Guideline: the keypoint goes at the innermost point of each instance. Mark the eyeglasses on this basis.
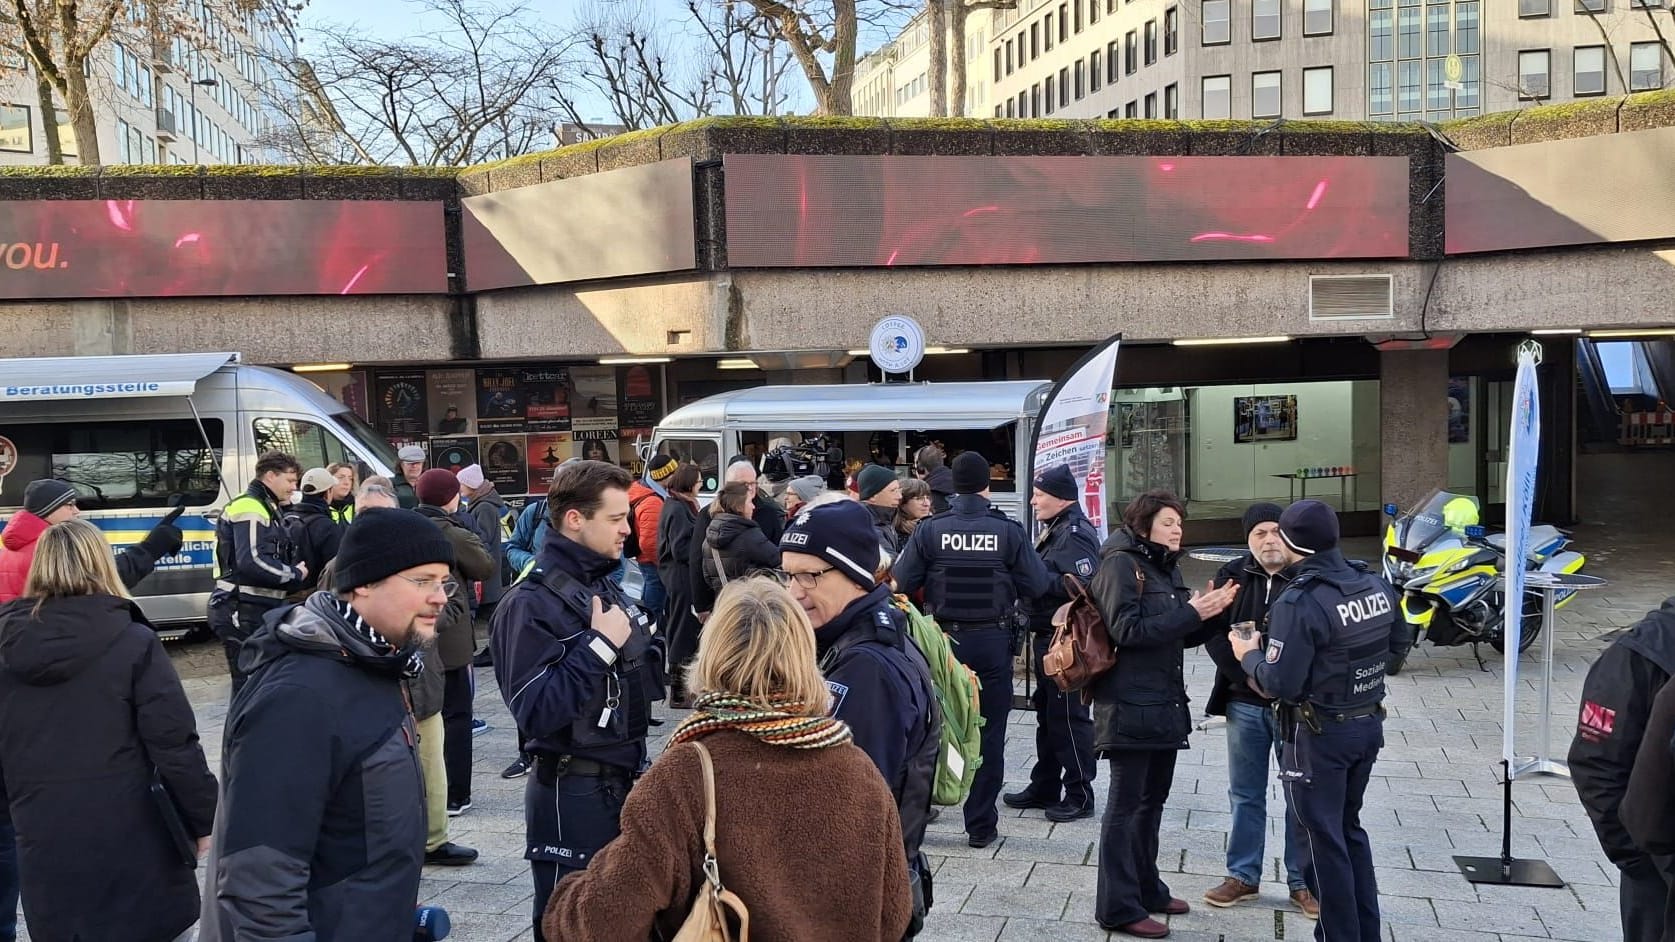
(448, 586)
(807, 580)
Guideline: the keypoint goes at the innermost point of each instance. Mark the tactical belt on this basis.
(250, 590)
(1376, 709)
(558, 766)
(971, 625)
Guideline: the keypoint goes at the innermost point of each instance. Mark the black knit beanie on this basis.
(1258, 514)
(971, 473)
(384, 541)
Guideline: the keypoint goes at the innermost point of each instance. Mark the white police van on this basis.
(137, 435)
(995, 418)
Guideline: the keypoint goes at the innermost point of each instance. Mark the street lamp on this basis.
(207, 83)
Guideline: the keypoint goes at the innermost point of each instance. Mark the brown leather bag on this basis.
(1081, 648)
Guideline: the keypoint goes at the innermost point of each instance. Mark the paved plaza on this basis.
(1433, 795)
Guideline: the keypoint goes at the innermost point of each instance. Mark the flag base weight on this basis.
(1497, 872)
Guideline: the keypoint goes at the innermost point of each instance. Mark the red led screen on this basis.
(880, 211)
(187, 248)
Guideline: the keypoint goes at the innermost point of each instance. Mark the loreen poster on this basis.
(1525, 439)
(1072, 427)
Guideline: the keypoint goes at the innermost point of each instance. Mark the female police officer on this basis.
(1330, 636)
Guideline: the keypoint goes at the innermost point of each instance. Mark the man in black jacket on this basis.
(765, 511)
(1062, 780)
(1617, 700)
(1252, 732)
(929, 466)
(313, 532)
(321, 832)
(880, 493)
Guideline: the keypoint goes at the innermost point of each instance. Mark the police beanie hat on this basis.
(842, 534)
(436, 487)
(661, 468)
(1057, 481)
(384, 541)
(46, 495)
(874, 478)
(1258, 514)
(971, 473)
(1309, 527)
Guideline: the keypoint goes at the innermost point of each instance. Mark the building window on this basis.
(1131, 110)
(1064, 87)
(1535, 7)
(1590, 6)
(1007, 110)
(1008, 57)
(1171, 30)
(1035, 100)
(1317, 17)
(1436, 31)
(1590, 70)
(1437, 105)
(1265, 95)
(1172, 101)
(1265, 19)
(997, 64)
(1081, 79)
(1093, 12)
(1064, 22)
(1646, 4)
(1645, 67)
(1218, 22)
(1077, 7)
(1034, 43)
(1112, 62)
(1467, 97)
(1051, 98)
(1093, 71)
(1534, 68)
(1151, 41)
(1408, 88)
(1217, 97)
(1023, 104)
(1466, 35)
(1379, 100)
(17, 134)
(1131, 52)
(1381, 35)
(1408, 41)
(66, 135)
(1151, 105)
(1047, 30)
(1317, 90)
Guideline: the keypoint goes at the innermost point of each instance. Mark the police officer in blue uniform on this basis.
(572, 658)
(975, 564)
(1061, 782)
(1331, 635)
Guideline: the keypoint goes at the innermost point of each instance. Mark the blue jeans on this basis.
(1253, 735)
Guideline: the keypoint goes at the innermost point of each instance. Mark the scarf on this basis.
(775, 724)
(380, 645)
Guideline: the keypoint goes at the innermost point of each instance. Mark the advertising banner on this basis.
(1524, 443)
(1072, 427)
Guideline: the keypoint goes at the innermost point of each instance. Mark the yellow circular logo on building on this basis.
(1453, 69)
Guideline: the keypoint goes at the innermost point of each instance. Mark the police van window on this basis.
(117, 465)
(310, 444)
(356, 429)
(703, 452)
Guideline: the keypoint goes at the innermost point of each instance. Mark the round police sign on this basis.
(898, 344)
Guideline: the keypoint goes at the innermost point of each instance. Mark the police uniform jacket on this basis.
(251, 546)
(1069, 546)
(1257, 591)
(557, 675)
(1141, 703)
(973, 562)
(881, 687)
(1331, 635)
(1616, 703)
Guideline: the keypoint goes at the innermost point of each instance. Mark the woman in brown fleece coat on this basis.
(806, 830)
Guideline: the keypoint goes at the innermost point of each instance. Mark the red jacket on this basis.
(647, 513)
(17, 552)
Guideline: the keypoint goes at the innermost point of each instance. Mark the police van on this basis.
(139, 435)
(996, 419)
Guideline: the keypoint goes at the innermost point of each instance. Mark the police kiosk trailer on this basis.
(138, 435)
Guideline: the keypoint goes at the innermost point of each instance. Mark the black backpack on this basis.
(631, 546)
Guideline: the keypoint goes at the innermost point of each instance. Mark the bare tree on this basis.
(465, 93)
(14, 62)
(747, 55)
(936, 22)
(959, 11)
(818, 32)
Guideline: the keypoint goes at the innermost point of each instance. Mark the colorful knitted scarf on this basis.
(779, 723)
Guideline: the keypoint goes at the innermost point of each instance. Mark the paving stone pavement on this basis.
(1433, 795)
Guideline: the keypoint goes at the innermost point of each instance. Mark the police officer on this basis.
(1330, 636)
(975, 565)
(253, 571)
(1064, 763)
(571, 657)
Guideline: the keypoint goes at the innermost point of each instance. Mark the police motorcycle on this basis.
(1447, 572)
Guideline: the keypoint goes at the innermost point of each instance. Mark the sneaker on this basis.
(1027, 799)
(519, 768)
(1232, 892)
(451, 855)
(478, 727)
(1065, 811)
(457, 808)
(1305, 901)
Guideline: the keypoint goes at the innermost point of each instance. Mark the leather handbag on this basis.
(716, 908)
(1081, 648)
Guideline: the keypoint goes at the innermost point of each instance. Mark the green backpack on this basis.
(956, 697)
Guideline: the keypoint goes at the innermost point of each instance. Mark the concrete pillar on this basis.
(1413, 422)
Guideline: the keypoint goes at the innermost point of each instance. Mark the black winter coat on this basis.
(316, 535)
(89, 705)
(941, 482)
(456, 634)
(1257, 591)
(1141, 703)
(742, 547)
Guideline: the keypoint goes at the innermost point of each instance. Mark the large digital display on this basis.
(218, 248)
(812, 211)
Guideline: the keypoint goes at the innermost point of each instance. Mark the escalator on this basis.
(1600, 415)
(1660, 364)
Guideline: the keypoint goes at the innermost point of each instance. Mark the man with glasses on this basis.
(319, 834)
(573, 658)
(880, 684)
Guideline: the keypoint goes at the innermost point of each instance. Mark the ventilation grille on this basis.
(1350, 297)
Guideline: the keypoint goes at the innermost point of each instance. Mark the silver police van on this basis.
(809, 425)
(139, 435)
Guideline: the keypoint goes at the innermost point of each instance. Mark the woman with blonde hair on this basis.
(787, 779)
(80, 665)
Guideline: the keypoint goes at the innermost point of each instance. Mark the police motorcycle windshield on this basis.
(1427, 522)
